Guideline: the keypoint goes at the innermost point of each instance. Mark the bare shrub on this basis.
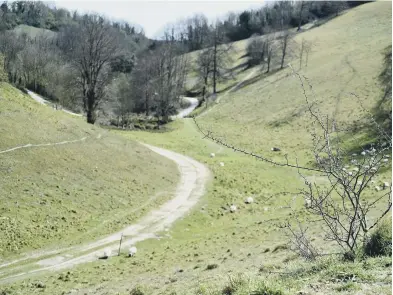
(341, 204)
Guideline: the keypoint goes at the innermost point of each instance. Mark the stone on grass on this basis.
(249, 200)
(233, 208)
(132, 251)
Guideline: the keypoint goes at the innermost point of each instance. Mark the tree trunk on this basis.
(268, 62)
(91, 112)
(147, 105)
(301, 55)
(300, 16)
(91, 117)
(306, 59)
(284, 52)
(215, 66)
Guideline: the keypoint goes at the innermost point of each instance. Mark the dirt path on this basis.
(41, 100)
(194, 176)
(233, 89)
(193, 104)
(29, 145)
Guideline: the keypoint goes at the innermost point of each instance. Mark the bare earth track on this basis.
(194, 176)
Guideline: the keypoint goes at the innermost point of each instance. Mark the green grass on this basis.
(80, 190)
(265, 113)
(33, 32)
(346, 58)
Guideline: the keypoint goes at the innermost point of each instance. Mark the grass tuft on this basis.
(380, 241)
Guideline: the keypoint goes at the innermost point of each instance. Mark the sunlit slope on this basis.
(60, 194)
(346, 57)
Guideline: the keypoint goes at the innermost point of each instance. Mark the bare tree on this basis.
(197, 31)
(345, 206)
(10, 45)
(256, 51)
(91, 48)
(285, 41)
(204, 68)
(305, 48)
(303, 6)
(270, 49)
(220, 54)
(141, 83)
(120, 98)
(3, 74)
(299, 240)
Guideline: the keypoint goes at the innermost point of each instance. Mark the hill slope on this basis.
(79, 190)
(346, 57)
(266, 111)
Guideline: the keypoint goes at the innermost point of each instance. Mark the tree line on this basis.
(192, 31)
(90, 64)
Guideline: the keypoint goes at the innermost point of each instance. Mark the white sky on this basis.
(154, 15)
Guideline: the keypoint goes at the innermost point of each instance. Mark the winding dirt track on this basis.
(193, 104)
(194, 177)
(43, 101)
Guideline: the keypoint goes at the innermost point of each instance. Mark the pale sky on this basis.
(154, 15)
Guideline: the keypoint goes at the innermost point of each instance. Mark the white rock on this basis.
(266, 209)
(354, 155)
(386, 156)
(377, 188)
(346, 166)
(132, 251)
(385, 185)
(354, 161)
(363, 153)
(350, 173)
(366, 167)
(233, 208)
(249, 200)
(212, 155)
(307, 203)
(222, 164)
(373, 169)
(359, 182)
(344, 169)
(385, 160)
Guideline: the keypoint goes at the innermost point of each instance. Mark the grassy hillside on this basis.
(32, 32)
(76, 191)
(346, 57)
(202, 251)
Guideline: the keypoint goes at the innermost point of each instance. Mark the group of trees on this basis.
(192, 32)
(213, 63)
(90, 63)
(86, 62)
(277, 46)
(274, 21)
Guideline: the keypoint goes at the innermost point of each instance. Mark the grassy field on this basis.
(33, 32)
(346, 57)
(209, 246)
(65, 194)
